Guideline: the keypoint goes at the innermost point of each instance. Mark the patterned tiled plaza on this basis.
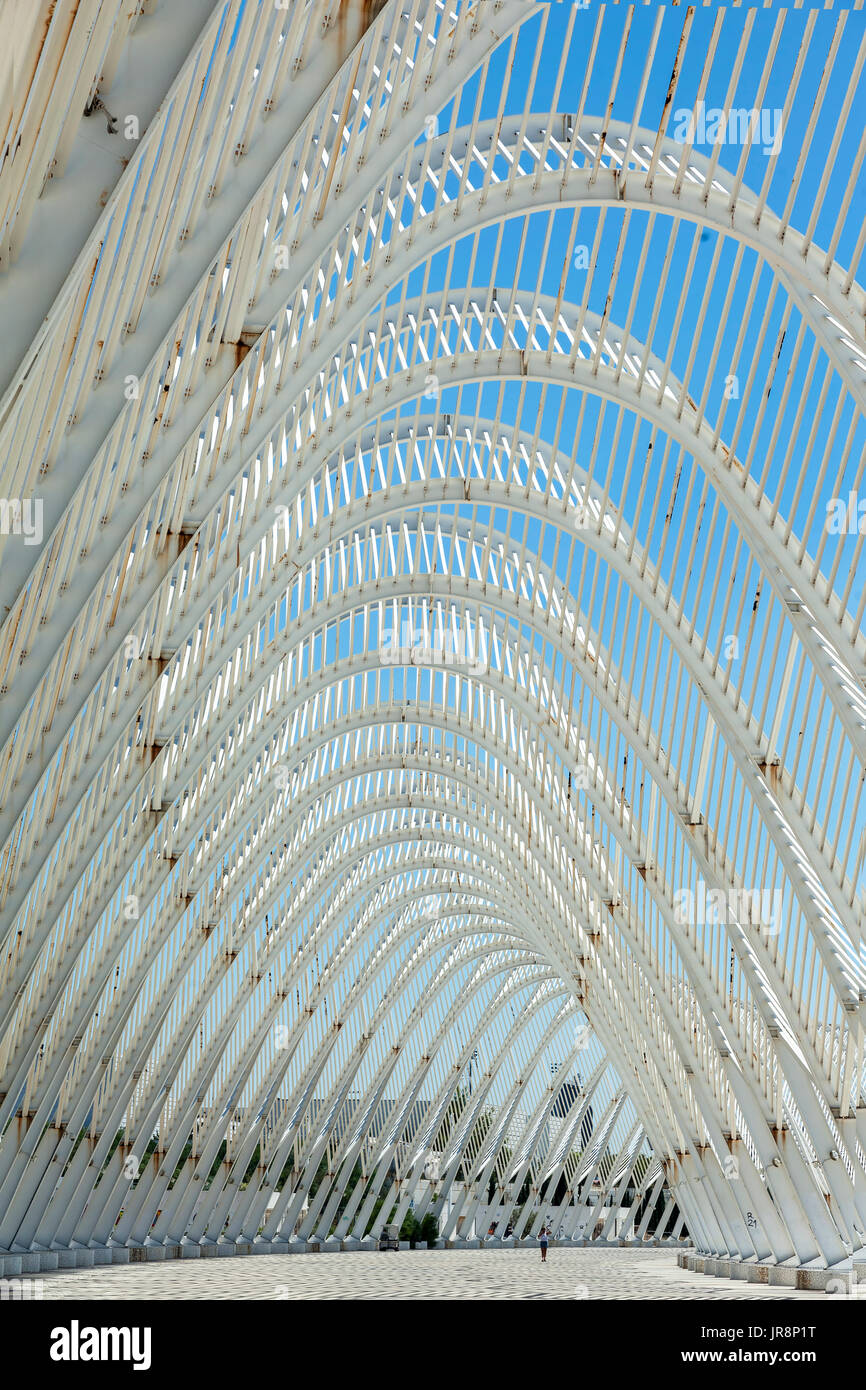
(433, 1274)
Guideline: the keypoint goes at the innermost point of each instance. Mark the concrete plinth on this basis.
(785, 1276)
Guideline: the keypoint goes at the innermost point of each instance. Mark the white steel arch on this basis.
(433, 711)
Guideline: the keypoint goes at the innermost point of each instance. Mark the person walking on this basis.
(545, 1234)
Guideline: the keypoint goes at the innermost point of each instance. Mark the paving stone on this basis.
(420, 1274)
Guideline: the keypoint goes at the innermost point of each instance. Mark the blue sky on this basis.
(745, 411)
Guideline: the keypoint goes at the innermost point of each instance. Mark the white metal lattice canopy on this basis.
(432, 660)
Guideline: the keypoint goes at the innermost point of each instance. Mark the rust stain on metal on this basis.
(770, 771)
(367, 10)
